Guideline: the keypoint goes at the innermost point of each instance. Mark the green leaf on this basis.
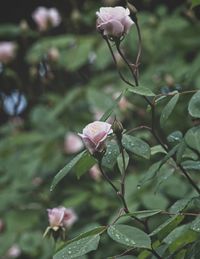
(195, 3)
(63, 172)
(143, 213)
(196, 224)
(99, 100)
(152, 201)
(175, 136)
(9, 31)
(168, 109)
(164, 229)
(84, 164)
(192, 138)
(194, 251)
(191, 165)
(157, 149)
(120, 161)
(129, 236)
(136, 146)
(107, 114)
(180, 205)
(186, 238)
(141, 91)
(194, 105)
(110, 158)
(180, 151)
(81, 245)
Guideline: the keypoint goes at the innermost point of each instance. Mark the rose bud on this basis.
(55, 216)
(61, 217)
(114, 21)
(46, 18)
(7, 51)
(72, 143)
(94, 136)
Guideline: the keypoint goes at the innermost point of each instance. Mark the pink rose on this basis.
(95, 134)
(61, 217)
(45, 18)
(114, 21)
(7, 51)
(14, 251)
(72, 143)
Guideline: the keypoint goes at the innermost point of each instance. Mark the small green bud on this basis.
(117, 128)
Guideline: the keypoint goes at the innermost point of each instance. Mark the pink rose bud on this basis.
(46, 18)
(114, 21)
(95, 173)
(56, 216)
(61, 217)
(7, 51)
(72, 143)
(95, 134)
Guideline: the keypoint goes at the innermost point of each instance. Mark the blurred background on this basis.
(57, 75)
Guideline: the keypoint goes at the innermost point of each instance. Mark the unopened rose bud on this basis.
(132, 8)
(94, 136)
(61, 217)
(114, 22)
(117, 128)
(24, 26)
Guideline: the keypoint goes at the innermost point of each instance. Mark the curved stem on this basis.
(107, 178)
(115, 61)
(128, 64)
(126, 210)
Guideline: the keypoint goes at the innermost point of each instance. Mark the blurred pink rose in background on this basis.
(7, 51)
(95, 173)
(72, 143)
(61, 217)
(123, 103)
(14, 251)
(95, 134)
(46, 18)
(114, 21)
